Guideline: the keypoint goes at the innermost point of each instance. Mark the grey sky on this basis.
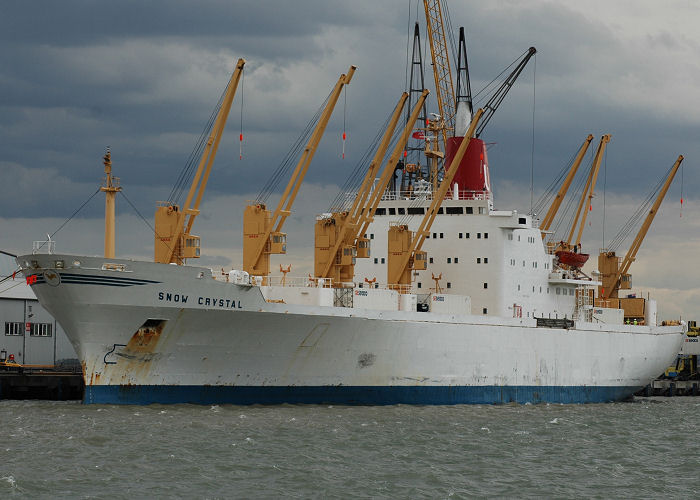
(143, 77)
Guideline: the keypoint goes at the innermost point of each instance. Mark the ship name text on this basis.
(202, 301)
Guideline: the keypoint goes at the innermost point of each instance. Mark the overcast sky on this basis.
(143, 78)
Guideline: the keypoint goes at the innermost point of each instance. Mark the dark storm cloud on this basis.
(143, 77)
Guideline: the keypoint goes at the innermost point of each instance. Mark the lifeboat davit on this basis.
(572, 259)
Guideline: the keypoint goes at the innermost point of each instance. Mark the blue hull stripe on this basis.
(371, 395)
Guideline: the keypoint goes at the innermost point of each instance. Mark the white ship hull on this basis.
(218, 342)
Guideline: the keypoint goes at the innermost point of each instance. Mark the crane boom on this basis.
(345, 223)
(400, 260)
(173, 242)
(611, 291)
(259, 238)
(367, 215)
(500, 94)
(559, 198)
(588, 192)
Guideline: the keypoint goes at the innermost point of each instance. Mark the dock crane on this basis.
(567, 252)
(173, 241)
(339, 239)
(559, 198)
(615, 274)
(404, 247)
(262, 229)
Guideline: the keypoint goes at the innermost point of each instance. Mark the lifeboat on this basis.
(572, 259)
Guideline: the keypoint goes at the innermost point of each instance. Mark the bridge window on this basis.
(402, 211)
(392, 211)
(380, 211)
(454, 210)
(416, 211)
(449, 285)
(470, 210)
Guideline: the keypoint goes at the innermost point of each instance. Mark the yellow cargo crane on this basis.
(339, 239)
(404, 247)
(586, 195)
(173, 241)
(615, 274)
(262, 229)
(559, 198)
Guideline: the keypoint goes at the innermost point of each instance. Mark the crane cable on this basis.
(642, 209)
(285, 165)
(187, 172)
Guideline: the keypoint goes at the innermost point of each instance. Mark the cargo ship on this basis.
(423, 292)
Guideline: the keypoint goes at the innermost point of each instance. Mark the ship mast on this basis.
(110, 188)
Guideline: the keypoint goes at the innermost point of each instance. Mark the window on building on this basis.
(402, 211)
(380, 211)
(460, 236)
(416, 211)
(486, 260)
(454, 210)
(376, 260)
(478, 236)
(14, 328)
(558, 291)
(449, 260)
(482, 210)
(382, 260)
(486, 236)
(419, 284)
(41, 330)
(485, 310)
(392, 211)
(430, 259)
(466, 235)
(371, 236)
(478, 260)
(470, 210)
(456, 260)
(486, 285)
(442, 235)
(440, 211)
(521, 220)
(434, 235)
(449, 285)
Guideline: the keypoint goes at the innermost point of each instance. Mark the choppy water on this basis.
(646, 448)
